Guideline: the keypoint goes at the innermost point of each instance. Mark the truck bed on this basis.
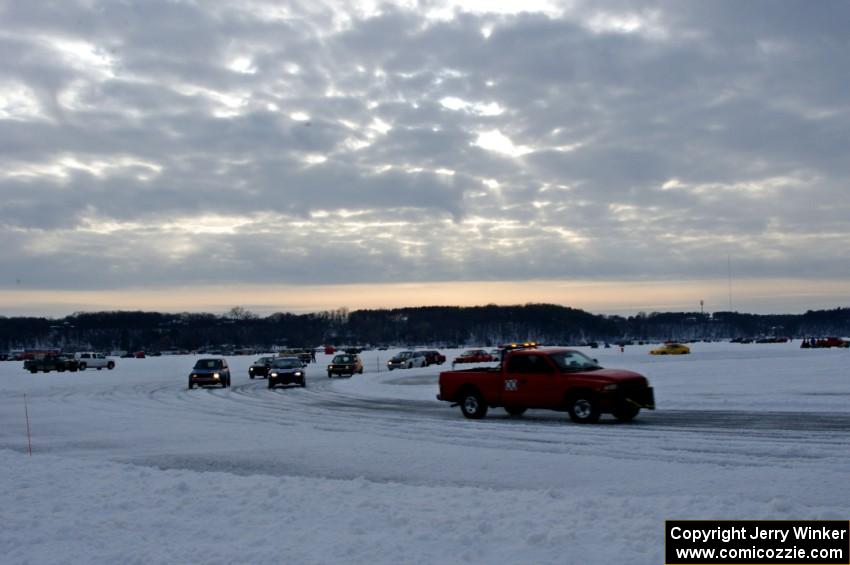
(496, 369)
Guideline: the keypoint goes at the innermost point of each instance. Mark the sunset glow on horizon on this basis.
(601, 297)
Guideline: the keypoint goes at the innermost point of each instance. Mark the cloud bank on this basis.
(164, 144)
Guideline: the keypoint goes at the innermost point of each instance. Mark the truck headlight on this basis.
(215, 375)
(330, 367)
(298, 373)
(274, 374)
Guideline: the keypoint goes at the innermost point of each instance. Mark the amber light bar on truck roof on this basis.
(524, 345)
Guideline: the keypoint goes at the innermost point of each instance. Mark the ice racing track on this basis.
(322, 402)
(413, 430)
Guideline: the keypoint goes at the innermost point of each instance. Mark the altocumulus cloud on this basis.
(305, 143)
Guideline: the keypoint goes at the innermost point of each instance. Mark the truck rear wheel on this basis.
(472, 404)
(583, 408)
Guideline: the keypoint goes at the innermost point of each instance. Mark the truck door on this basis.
(528, 381)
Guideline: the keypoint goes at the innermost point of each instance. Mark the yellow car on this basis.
(671, 349)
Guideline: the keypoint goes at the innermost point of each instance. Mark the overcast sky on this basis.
(311, 155)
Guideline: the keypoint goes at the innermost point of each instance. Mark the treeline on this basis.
(438, 325)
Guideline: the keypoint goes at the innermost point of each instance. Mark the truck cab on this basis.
(554, 379)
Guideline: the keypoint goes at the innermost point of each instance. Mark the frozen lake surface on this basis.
(129, 466)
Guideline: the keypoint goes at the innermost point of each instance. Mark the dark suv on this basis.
(260, 368)
(210, 371)
(434, 357)
(286, 371)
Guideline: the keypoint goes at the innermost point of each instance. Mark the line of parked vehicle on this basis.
(77, 362)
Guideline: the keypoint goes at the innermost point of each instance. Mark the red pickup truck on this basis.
(557, 379)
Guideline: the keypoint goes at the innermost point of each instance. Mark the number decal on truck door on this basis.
(511, 384)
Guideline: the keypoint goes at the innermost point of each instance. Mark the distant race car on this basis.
(404, 360)
(473, 356)
(210, 371)
(671, 349)
(260, 367)
(287, 371)
(345, 364)
(433, 357)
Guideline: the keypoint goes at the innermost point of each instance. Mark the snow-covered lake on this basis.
(129, 466)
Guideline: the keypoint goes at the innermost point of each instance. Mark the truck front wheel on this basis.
(583, 408)
(472, 404)
(626, 412)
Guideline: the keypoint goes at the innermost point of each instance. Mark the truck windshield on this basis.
(574, 361)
